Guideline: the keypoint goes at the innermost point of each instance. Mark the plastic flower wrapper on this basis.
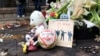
(80, 8)
(89, 3)
(88, 8)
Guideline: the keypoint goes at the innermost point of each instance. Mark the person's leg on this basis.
(18, 10)
(63, 37)
(23, 10)
(37, 4)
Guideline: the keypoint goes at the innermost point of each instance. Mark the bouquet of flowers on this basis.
(56, 9)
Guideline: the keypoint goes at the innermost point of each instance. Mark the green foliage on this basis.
(95, 13)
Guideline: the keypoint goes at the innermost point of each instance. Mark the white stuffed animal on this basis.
(37, 19)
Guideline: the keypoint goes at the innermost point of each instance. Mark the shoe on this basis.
(23, 15)
(18, 16)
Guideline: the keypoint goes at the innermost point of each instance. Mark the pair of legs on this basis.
(37, 4)
(20, 10)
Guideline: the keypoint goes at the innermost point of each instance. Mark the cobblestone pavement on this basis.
(15, 50)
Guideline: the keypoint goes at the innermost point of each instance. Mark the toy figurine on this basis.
(31, 42)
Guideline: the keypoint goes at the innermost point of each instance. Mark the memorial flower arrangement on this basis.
(56, 9)
(88, 10)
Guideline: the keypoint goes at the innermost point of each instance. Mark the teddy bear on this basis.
(38, 24)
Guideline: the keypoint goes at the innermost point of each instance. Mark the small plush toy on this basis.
(66, 14)
(63, 16)
(38, 21)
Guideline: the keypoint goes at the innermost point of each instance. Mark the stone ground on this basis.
(15, 49)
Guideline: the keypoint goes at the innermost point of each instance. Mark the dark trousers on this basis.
(37, 4)
(20, 10)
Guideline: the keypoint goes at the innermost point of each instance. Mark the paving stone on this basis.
(14, 15)
(1, 16)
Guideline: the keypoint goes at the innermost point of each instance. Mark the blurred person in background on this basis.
(37, 4)
(20, 8)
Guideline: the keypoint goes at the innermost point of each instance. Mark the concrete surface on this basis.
(15, 50)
